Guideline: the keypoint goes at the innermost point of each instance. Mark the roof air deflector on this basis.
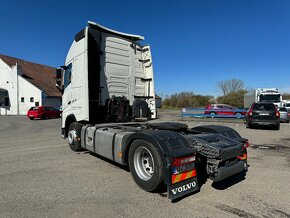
(132, 37)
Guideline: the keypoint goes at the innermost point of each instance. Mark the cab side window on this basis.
(67, 75)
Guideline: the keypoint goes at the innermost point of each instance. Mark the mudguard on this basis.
(170, 145)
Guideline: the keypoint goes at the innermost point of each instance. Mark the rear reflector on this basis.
(183, 176)
(244, 157)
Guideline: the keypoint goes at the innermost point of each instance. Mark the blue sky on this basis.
(195, 44)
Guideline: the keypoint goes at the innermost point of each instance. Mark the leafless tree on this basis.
(232, 85)
(286, 96)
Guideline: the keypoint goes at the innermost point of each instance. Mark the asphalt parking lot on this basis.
(41, 177)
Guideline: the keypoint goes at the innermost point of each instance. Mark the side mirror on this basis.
(58, 73)
(59, 79)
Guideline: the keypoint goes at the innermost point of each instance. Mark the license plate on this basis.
(182, 188)
(264, 114)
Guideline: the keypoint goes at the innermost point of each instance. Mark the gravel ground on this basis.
(41, 177)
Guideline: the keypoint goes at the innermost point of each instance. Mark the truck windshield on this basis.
(269, 98)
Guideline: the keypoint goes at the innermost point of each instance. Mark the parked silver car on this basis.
(284, 115)
(287, 106)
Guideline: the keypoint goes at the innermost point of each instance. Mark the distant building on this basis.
(158, 101)
(24, 84)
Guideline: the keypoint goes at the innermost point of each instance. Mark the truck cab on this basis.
(107, 77)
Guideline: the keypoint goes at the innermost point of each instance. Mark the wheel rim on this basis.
(212, 114)
(144, 163)
(72, 135)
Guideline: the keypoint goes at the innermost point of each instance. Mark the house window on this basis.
(22, 99)
(31, 99)
(36, 104)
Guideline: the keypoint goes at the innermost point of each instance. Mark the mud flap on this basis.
(182, 188)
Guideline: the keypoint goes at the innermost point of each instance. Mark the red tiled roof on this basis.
(41, 76)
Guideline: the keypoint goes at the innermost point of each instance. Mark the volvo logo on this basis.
(183, 188)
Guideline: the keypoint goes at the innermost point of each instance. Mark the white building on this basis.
(24, 84)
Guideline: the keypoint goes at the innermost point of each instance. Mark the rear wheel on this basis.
(146, 165)
(43, 116)
(212, 114)
(74, 134)
(238, 114)
(277, 127)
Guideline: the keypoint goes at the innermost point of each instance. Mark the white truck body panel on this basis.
(75, 96)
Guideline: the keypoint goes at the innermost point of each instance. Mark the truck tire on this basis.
(74, 133)
(146, 165)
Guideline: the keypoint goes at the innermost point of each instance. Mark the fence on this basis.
(200, 113)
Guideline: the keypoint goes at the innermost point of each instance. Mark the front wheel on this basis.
(146, 165)
(74, 134)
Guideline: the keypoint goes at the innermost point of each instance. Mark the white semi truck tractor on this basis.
(263, 95)
(108, 101)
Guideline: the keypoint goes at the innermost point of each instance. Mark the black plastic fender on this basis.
(222, 130)
(169, 144)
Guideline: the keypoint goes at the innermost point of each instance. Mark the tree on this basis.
(186, 99)
(286, 96)
(232, 85)
(233, 98)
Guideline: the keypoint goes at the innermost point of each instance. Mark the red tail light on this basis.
(183, 160)
(277, 112)
(250, 112)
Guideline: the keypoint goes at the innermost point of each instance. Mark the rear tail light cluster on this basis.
(250, 112)
(277, 113)
(183, 168)
(184, 160)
